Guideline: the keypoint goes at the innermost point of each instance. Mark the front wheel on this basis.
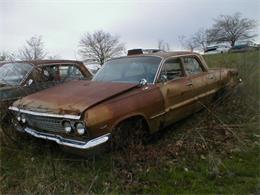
(129, 133)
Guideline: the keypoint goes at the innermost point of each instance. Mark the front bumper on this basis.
(47, 119)
(69, 142)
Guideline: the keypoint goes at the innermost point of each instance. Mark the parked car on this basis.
(127, 99)
(243, 46)
(21, 78)
(214, 49)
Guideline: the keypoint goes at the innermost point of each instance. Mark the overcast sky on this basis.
(140, 24)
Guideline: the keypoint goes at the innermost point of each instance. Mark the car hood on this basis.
(73, 97)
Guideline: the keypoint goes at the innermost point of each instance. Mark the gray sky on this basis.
(140, 24)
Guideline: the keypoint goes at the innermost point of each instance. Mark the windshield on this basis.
(129, 70)
(14, 73)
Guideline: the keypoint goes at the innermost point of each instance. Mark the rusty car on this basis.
(129, 98)
(21, 78)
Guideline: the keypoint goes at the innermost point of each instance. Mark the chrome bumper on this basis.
(69, 142)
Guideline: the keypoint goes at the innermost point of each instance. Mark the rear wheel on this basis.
(129, 133)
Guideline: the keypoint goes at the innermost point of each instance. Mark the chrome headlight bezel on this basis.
(80, 128)
(67, 127)
(23, 118)
(18, 118)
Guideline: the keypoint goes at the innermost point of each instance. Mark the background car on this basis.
(243, 46)
(21, 78)
(214, 49)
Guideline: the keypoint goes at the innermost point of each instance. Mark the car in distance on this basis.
(214, 49)
(21, 78)
(128, 98)
(244, 46)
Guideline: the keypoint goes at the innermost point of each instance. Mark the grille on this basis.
(45, 123)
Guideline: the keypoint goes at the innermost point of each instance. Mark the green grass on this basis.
(215, 151)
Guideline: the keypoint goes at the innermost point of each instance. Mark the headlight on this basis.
(23, 119)
(67, 127)
(80, 127)
(19, 118)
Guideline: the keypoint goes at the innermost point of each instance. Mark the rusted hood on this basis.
(73, 97)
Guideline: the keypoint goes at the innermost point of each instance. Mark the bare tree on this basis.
(187, 43)
(163, 45)
(230, 28)
(33, 50)
(100, 46)
(200, 39)
(7, 56)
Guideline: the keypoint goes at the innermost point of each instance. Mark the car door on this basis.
(176, 89)
(200, 79)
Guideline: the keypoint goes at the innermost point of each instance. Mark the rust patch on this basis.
(73, 97)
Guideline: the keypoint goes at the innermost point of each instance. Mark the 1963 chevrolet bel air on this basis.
(127, 99)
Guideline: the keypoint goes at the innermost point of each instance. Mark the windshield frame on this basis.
(135, 56)
(25, 76)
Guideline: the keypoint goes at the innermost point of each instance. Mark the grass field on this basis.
(213, 151)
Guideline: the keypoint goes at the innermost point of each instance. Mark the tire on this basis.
(129, 133)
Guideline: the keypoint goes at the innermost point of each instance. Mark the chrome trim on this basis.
(183, 103)
(13, 108)
(67, 116)
(69, 142)
(158, 70)
(27, 74)
(157, 115)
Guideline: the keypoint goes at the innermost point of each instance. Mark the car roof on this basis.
(42, 62)
(36, 63)
(162, 54)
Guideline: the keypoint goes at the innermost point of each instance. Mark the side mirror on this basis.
(163, 78)
(142, 82)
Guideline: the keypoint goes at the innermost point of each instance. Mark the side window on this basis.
(37, 76)
(192, 66)
(51, 73)
(70, 72)
(172, 69)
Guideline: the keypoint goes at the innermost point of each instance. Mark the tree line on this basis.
(225, 29)
(100, 46)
